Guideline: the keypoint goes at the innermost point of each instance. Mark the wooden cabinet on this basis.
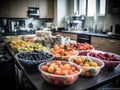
(106, 44)
(71, 35)
(46, 8)
(4, 8)
(33, 3)
(18, 8)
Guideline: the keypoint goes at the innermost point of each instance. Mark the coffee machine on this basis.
(74, 23)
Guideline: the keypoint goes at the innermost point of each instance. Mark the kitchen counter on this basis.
(81, 83)
(92, 34)
(18, 33)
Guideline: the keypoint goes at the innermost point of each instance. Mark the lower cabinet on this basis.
(106, 44)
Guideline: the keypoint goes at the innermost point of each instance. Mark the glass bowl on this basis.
(66, 57)
(60, 76)
(85, 52)
(90, 66)
(111, 60)
(31, 59)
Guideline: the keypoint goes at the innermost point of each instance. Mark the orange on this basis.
(70, 79)
(51, 69)
(58, 63)
(61, 51)
(73, 68)
(56, 47)
(78, 60)
(64, 72)
(44, 68)
(61, 46)
(66, 67)
(57, 72)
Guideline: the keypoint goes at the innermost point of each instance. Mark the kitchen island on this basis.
(82, 83)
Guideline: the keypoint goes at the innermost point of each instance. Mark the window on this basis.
(102, 7)
(92, 7)
(96, 7)
(80, 6)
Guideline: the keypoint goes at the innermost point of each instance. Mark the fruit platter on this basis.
(111, 60)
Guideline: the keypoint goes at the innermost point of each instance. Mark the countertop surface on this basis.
(92, 34)
(65, 31)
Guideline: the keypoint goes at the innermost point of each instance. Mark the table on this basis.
(82, 83)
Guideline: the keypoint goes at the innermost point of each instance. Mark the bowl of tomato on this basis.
(90, 66)
(83, 48)
(60, 73)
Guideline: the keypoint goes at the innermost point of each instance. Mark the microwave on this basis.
(33, 11)
(116, 29)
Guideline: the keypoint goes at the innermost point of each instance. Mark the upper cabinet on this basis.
(4, 6)
(113, 6)
(46, 8)
(33, 3)
(18, 8)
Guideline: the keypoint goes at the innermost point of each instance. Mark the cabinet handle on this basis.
(112, 41)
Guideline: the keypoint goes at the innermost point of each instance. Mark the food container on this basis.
(83, 48)
(90, 66)
(111, 60)
(62, 57)
(32, 47)
(31, 59)
(84, 52)
(64, 77)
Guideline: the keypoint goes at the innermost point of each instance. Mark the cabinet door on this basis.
(18, 8)
(112, 45)
(72, 36)
(50, 7)
(106, 44)
(46, 8)
(98, 43)
(33, 3)
(4, 12)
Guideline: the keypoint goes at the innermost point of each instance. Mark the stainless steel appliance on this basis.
(33, 11)
(74, 22)
(13, 25)
(82, 38)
